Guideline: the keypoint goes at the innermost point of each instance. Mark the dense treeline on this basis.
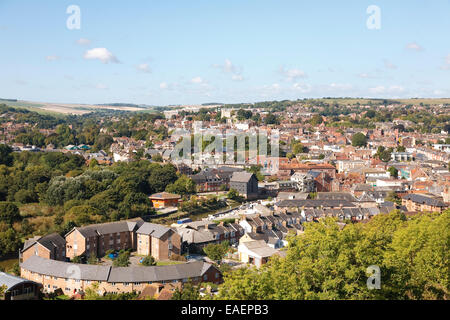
(53, 192)
(83, 129)
(328, 263)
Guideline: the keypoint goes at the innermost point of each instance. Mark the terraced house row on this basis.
(75, 278)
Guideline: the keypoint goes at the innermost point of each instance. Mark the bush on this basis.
(26, 196)
(177, 257)
(148, 261)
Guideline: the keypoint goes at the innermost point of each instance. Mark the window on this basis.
(205, 277)
(217, 275)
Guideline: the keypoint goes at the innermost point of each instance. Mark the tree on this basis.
(9, 242)
(183, 186)
(77, 259)
(316, 120)
(401, 149)
(83, 215)
(135, 205)
(25, 196)
(233, 194)
(93, 163)
(359, 140)
(393, 172)
(393, 197)
(92, 259)
(6, 155)
(326, 262)
(148, 261)
(3, 289)
(271, 119)
(383, 154)
(216, 252)
(9, 213)
(123, 260)
(188, 292)
(298, 147)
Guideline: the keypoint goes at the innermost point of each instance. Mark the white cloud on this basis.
(364, 75)
(51, 58)
(144, 67)
(236, 77)
(414, 46)
(303, 88)
(163, 85)
(341, 86)
(101, 54)
(292, 74)
(101, 86)
(197, 80)
(84, 42)
(394, 89)
(389, 65)
(377, 89)
(446, 65)
(229, 67)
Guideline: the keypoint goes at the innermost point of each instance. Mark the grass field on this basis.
(8, 263)
(364, 101)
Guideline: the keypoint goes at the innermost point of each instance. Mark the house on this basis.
(245, 183)
(165, 200)
(51, 246)
(98, 238)
(198, 234)
(420, 202)
(255, 252)
(208, 181)
(74, 278)
(305, 182)
(160, 291)
(158, 241)
(18, 288)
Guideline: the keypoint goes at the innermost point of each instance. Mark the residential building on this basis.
(19, 288)
(245, 183)
(98, 238)
(165, 200)
(158, 241)
(51, 246)
(75, 278)
(420, 202)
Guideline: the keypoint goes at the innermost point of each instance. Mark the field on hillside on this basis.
(63, 108)
(363, 101)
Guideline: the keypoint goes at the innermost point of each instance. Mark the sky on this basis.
(203, 51)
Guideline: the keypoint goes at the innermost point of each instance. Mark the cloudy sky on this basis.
(197, 51)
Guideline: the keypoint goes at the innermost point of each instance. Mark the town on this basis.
(104, 207)
(223, 159)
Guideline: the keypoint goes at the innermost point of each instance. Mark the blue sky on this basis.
(198, 51)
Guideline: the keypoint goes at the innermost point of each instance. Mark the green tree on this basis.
(359, 140)
(9, 213)
(183, 186)
(188, 292)
(216, 252)
(6, 155)
(148, 261)
(123, 260)
(393, 172)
